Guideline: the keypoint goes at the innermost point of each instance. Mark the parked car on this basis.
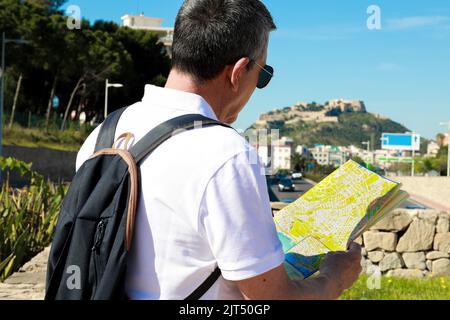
(286, 185)
(296, 176)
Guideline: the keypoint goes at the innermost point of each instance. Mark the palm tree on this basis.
(298, 162)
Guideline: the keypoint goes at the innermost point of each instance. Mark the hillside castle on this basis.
(312, 112)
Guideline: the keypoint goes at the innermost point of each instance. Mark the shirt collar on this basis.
(178, 100)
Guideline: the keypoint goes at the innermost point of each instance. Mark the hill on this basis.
(337, 122)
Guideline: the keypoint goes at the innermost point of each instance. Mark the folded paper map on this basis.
(333, 213)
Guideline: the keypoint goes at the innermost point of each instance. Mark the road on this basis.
(302, 186)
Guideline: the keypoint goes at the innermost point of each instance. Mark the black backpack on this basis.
(88, 256)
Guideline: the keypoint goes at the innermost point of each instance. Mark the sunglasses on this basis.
(265, 76)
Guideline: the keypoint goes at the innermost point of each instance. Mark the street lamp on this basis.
(448, 146)
(368, 145)
(2, 91)
(107, 86)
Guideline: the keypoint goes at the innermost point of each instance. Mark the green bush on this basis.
(28, 216)
(316, 177)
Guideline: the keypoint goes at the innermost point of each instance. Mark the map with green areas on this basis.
(336, 210)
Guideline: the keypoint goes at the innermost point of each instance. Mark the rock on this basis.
(380, 240)
(375, 256)
(443, 225)
(414, 260)
(359, 241)
(434, 255)
(441, 268)
(366, 265)
(405, 273)
(444, 215)
(442, 242)
(391, 261)
(413, 214)
(429, 264)
(363, 252)
(396, 221)
(428, 215)
(418, 237)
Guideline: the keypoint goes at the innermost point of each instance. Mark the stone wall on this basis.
(431, 191)
(409, 243)
(406, 243)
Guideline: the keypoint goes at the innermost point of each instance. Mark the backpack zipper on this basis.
(99, 236)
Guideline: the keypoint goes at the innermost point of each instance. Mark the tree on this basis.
(443, 152)
(148, 63)
(359, 160)
(73, 64)
(298, 162)
(13, 109)
(98, 56)
(424, 165)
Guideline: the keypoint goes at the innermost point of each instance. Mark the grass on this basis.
(400, 289)
(69, 140)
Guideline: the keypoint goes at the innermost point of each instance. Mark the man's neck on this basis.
(210, 92)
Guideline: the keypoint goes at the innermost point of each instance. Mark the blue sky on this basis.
(323, 50)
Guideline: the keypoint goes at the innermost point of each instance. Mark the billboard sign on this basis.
(400, 142)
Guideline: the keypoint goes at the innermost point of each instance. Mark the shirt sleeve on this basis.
(236, 219)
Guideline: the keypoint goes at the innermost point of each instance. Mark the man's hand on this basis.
(342, 268)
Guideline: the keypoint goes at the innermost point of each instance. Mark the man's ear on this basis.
(237, 72)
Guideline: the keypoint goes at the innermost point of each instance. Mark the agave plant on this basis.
(28, 216)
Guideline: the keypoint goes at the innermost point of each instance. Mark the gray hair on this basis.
(211, 34)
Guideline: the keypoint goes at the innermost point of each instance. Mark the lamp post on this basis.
(107, 86)
(448, 146)
(2, 90)
(368, 145)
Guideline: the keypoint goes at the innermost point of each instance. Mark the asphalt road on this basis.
(302, 186)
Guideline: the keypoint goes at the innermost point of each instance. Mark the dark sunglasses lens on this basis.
(265, 77)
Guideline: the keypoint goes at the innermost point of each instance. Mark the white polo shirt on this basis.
(204, 202)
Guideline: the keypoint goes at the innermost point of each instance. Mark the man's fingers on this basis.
(355, 246)
(355, 249)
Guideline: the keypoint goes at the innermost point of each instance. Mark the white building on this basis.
(282, 152)
(330, 155)
(305, 152)
(433, 149)
(142, 22)
(276, 156)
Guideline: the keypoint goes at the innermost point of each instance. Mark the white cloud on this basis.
(417, 22)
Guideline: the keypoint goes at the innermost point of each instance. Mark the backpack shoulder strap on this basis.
(168, 129)
(107, 132)
(205, 286)
(158, 136)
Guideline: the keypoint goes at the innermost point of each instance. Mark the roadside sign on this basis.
(396, 159)
(55, 102)
(404, 142)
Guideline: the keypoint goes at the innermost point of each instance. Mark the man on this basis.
(203, 202)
